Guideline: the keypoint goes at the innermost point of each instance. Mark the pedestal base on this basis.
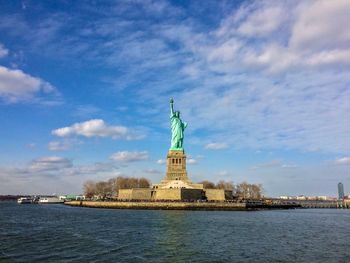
(176, 166)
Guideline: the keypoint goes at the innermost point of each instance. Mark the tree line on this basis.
(242, 190)
(110, 188)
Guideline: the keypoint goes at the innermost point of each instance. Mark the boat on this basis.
(50, 200)
(35, 199)
(24, 200)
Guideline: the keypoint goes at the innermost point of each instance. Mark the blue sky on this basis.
(264, 86)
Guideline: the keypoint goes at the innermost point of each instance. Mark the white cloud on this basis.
(96, 128)
(62, 145)
(254, 19)
(61, 167)
(3, 51)
(50, 163)
(58, 174)
(17, 86)
(343, 161)
(225, 52)
(273, 164)
(273, 58)
(57, 146)
(152, 171)
(289, 166)
(191, 71)
(161, 161)
(86, 111)
(224, 173)
(301, 35)
(321, 25)
(263, 21)
(191, 161)
(98, 168)
(216, 146)
(126, 156)
(31, 145)
(332, 57)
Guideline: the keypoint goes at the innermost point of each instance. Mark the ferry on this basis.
(50, 200)
(24, 200)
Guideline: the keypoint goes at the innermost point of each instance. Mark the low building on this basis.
(72, 197)
(284, 197)
(218, 194)
(135, 194)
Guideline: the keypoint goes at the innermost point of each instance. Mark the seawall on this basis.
(160, 205)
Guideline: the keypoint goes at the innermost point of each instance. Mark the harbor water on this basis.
(59, 233)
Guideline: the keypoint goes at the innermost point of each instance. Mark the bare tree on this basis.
(122, 182)
(103, 189)
(249, 191)
(132, 182)
(208, 184)
(113, 182)
(225, 185)
(110, 188)
(89, 189)
(256, 191)
(144, 183)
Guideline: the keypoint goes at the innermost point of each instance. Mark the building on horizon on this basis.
(341, 194)
(308, 198)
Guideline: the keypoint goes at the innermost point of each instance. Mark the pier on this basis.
(324, 204)
(337, 204)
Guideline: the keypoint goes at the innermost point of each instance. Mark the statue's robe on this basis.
(177, 131)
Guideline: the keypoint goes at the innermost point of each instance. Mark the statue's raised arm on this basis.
(171, 107)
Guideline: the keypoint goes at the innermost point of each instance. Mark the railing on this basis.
(312, 203)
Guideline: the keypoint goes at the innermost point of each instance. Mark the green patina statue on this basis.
(177, 128)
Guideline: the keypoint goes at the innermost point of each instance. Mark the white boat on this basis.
(50, 200)
(24, 200)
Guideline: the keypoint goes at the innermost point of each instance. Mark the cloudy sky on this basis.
(264, 86)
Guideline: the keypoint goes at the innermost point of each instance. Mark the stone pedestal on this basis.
(176, 185)
(176, 166)
(179, 194)
(176, 174)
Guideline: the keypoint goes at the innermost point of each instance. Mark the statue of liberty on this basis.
(177, 128)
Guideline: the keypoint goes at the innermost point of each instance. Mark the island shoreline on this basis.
(196, 206)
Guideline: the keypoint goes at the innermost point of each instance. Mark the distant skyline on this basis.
(263, 85)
